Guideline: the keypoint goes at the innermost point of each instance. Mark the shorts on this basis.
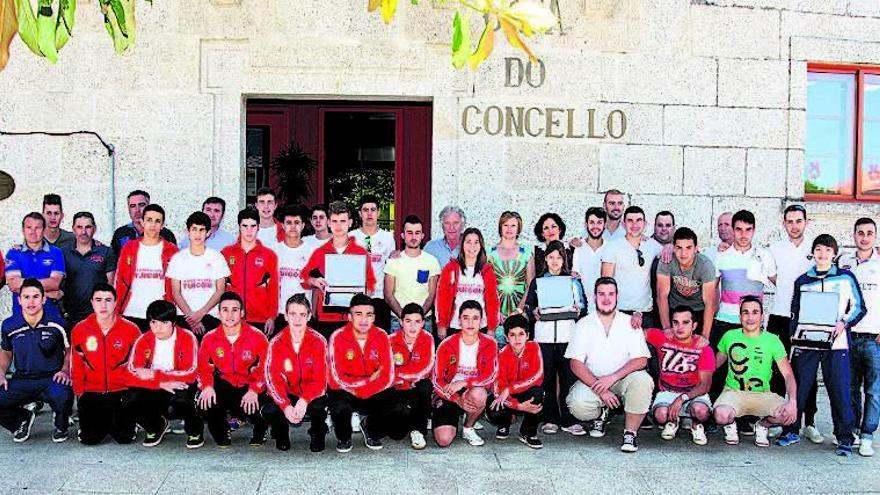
(760, 404)
(445, 413)
(665, 398)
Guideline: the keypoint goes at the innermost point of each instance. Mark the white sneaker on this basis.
(417, 440)
(731, 435)
(478, 426)
(761, 435)
(355, 422)
(813, 434)
(866, 449)
(550, 429)
(669, 431)
(472, 437)
(698, 434)
(575, 429)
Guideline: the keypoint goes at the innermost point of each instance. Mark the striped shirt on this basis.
(741, 274)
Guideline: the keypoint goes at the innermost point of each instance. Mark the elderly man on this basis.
(446, 248)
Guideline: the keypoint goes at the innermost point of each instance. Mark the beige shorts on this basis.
(761, 404)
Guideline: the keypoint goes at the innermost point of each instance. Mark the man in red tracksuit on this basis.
(518, 386)
(313, 273)
(413, 351)
(100, 346)
(254, 275)
(163, 366)
(361, 375)
(467, 364)
(296, 377)
(231, 380)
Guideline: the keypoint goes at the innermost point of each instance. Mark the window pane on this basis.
(830, 133)
(871, 136)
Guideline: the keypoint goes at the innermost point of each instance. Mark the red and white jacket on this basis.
(519, 373)
(411, 365)
(239, 364)
(302, 374)
(254, 277)
(315, 268)
(448, 360)
(351, 368)
(126, 265)
(447, 287)
(186, 349)
(98, 362)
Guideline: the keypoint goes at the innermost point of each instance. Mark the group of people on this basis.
(445, 336)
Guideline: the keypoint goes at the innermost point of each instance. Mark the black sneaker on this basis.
(533, 442)
(343, 446)
(630, 444)
(502, 432)
(153, 439)
(598, 428)
(23, 432)
(59, 436)
(371, 442)
(282, 443)
(195, 441)
(222, 442)
(258, 439)
(746, 428)
(316, 444)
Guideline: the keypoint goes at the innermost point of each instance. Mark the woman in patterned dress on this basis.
(510, 261)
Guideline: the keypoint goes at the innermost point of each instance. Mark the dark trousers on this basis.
(142, 323)
(103, 414)
(316, 410)
(835, 373)
(229, 401)
(557, 371)
(151, 408)
(383, 314)
(503, 417)
(865, 375)
(22, 391)
(409, 410)
(343, 404)
(780, 326)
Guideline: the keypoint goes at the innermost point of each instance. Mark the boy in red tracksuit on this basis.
(518, 387)
(231, 379)
(413, 351)
(361, 376)
(254, 275)
(467, 364)
(100, 346)
(296, 377)
(163, 367)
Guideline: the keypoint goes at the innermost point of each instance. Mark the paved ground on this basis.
(565, 465)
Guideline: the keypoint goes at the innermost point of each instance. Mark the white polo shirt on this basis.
(606, 353)
(791, 262)
(868, 276)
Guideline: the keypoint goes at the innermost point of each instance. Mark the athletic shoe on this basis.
(630, 444)
(669, 431)
(550, 429)
(258, 439)
(598, 429)
(343, 446)
(195, 441)
(59, 436)
(731, 435)
(813, 434)
(355, 422)
(748, 428)
(316, 443)
(502, 432)
(647, 423)
(478, 426)
(856, 441)
(866, 449)
(282, 443)
(224, 442)
(417, 440)
(844, 450)
(371, 442)
(698, 434)
(761, 433)
(472, 437)
(788, 439)
(23, 432)
(576, 430)
(532, 442)
(153, 439)
(178, 427)
(34, 407)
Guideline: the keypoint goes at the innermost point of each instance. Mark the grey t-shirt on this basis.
(686, 286)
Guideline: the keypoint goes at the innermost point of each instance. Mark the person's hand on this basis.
(839, 328)
(207, 398)
(499, 401)
(724, 246)
(454, 387)
(198, 328)
(530, 407)
(576, 242)
(376, 374)
(702, 342)
(635, 320)
(3, 383)
(441, 332)
(609, 399)
(537, 314)
(675, 409)
(666, 253)
(195, 318)
(54, 294)
(269, 327)
(172, 387)
(249, 402)
(297, 412)
(62, 377)
(603, 384)
(319, 283)
(394, 255)
(144, 374)
(787, 412)
(470, 406)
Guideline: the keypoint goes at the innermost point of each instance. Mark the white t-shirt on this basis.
(471, 287)
(163, 353)
(606, 353)
(290, 264)
(314, 241)
(467, 361)
(197, 276)
(588, 264)
(633, 281)
(868, 275)
(791, 262)
(620, 233)
(268, 235)
(148, 284)
(380, 246)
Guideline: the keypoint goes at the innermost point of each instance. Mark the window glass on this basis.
(870, 180)
(830, 134)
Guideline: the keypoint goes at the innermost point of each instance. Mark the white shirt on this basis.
(290, 264)
(471, 287)
(217, 241)
(268, 235)
(588, 264)
(791, 262)
(163, 353)
(148, 283)
(467, 361)
(314, 241)
(868, 275)
(606, 353)
(620, 233)
(380, 246)
(198, 276)
(633, 281)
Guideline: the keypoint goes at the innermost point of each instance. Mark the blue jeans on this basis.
(865, 375)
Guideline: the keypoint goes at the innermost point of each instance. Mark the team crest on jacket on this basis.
(219, 352)
(398, 358)
(231, 260)
(288, 366)
(117, 344)
(148, 353)
(415, 356)
(349, 355)
(374, 354)
(258, 261)
(452, 359)
(92, 344)
(247, 355)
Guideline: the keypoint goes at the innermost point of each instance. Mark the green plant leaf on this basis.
(461, 40)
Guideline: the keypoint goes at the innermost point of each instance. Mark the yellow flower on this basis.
(388, 8)
(524, 17)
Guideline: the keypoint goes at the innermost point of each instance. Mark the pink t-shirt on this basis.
(680, 364)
